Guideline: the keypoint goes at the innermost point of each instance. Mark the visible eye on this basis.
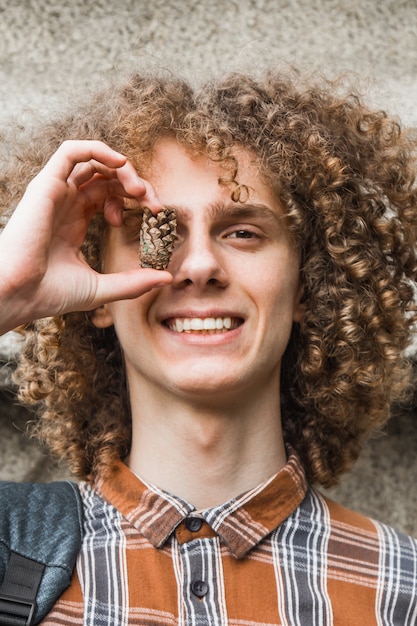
(242, 234)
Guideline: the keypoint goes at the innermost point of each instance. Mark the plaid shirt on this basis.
(280, 554)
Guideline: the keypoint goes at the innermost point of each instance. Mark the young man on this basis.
(201, 414)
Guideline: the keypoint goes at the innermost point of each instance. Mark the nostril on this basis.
(211, 281)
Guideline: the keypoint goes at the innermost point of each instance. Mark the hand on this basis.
(42, 270)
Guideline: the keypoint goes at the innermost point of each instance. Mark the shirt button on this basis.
(199, 588)
(193, 524)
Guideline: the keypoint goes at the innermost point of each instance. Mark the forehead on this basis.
(180, 177)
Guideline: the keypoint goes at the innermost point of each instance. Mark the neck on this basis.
(200, 452)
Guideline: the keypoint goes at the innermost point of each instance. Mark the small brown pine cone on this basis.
(157, 237)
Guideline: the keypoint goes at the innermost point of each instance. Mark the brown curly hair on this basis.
(346, 175)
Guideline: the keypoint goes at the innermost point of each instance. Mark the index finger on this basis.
(74, 151)
(136, 188)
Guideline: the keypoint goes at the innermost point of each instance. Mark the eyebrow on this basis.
(220, 211)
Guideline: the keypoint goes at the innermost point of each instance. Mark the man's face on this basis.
(220, 329)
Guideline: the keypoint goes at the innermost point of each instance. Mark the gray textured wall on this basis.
(52, 50)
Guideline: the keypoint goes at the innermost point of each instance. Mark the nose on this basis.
(198, 261)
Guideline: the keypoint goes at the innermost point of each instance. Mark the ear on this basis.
(102, 317)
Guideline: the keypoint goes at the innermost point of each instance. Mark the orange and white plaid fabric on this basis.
(281, 554)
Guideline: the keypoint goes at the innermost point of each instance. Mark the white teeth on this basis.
(187, 324)
(197, 324)
(209, 323)
(219, 323)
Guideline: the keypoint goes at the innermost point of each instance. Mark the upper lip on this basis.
(190, 313)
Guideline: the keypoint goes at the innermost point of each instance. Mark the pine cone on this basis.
(157, 237)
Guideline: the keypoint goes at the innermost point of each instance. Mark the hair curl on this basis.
(346, 175)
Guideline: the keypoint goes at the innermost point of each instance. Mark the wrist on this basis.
(15, 307)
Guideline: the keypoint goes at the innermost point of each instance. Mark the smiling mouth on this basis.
(203, 325)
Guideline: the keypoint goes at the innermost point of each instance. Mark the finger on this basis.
(132, 185)
(150, 199)
(138, 187)
(107, 195)
(113, 212)
(63, 161)
(99, 189)
(128, 285)
(84, 172)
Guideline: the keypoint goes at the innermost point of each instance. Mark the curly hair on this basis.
(346, 176)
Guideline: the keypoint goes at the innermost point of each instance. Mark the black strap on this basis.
(18, 591)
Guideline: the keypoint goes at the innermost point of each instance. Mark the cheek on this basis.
(281, 278)
(133, 319)
(282, 294)
(121, 253)
(120, 262)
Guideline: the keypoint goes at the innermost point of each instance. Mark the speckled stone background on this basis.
(53, 51)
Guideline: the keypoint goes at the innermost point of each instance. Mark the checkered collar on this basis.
(241, 523)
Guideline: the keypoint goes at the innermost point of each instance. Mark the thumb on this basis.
(128, 285)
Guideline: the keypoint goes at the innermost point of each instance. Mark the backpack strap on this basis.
(18, 591)
(40, 538)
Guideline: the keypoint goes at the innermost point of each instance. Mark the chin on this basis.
(211, 390)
